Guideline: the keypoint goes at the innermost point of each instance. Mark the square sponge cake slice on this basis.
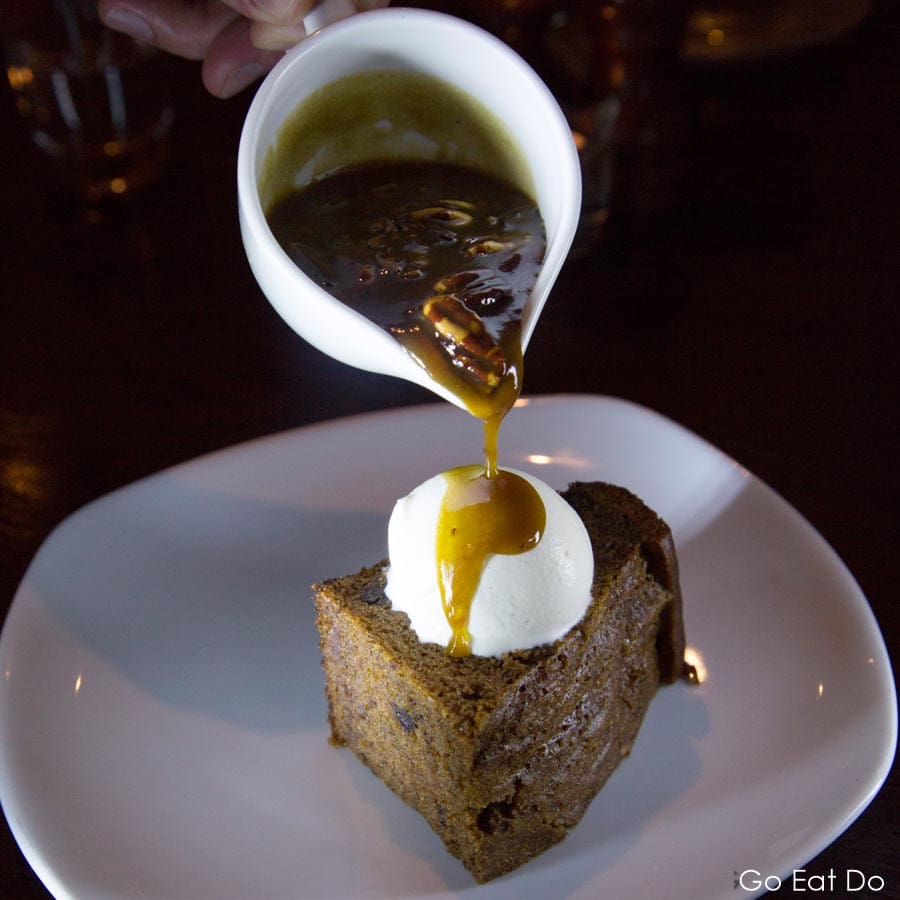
(502, 755)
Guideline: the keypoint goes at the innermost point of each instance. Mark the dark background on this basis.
(760, 311)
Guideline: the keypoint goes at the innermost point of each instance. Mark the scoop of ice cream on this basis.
(522, 600)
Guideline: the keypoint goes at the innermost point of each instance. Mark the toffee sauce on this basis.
(443, 257)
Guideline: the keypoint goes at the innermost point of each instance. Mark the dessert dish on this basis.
(503, 754)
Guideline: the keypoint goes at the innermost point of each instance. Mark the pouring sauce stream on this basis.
(444, 258)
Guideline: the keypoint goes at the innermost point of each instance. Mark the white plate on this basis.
(162, 711)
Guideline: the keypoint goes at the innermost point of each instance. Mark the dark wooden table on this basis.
(762, 315)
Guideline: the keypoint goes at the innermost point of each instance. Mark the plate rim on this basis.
(862, 607)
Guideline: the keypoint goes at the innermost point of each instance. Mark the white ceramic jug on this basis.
(436, 45)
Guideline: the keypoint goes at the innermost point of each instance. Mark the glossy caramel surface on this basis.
(481, 515)
(442, 256)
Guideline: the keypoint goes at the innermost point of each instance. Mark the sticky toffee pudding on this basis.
(500, 754)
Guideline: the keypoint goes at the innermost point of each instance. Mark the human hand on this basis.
(238, 40)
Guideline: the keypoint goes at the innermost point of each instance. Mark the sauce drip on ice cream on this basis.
(480, 515)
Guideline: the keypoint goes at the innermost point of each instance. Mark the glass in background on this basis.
(613, 66)
(90, 97)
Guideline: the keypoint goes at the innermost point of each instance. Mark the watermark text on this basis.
(849, 881)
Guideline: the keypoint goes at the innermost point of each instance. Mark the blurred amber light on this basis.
(19, 77)
(23, 478)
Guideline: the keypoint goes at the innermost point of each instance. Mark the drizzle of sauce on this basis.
(485, 510)
(480, 515)
(449, 278)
